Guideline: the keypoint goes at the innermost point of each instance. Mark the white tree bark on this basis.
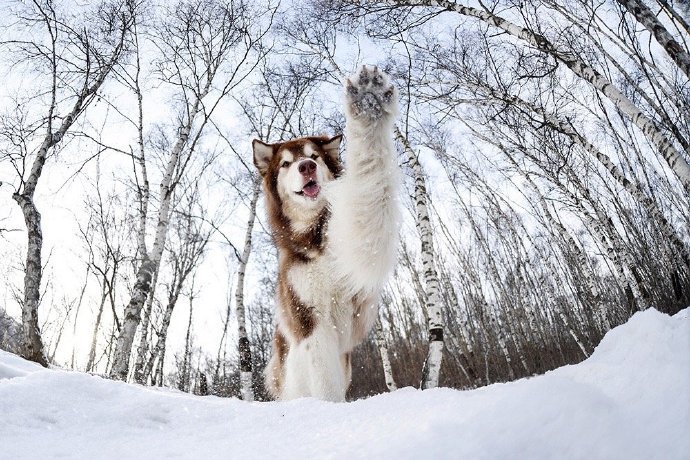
(159, 350)
(185, 377)
(581, 256)
(32, 345)
(615, 247)
(649, 20)
(572, 332)
(432, 366)
(144, 338)
(185, 258)
(245, 352)
(500, 334)
(385, 359)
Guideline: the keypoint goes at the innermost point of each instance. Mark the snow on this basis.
(629, 400)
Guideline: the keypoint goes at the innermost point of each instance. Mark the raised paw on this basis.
(369, 94)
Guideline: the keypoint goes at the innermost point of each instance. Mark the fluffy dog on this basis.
(336, 230)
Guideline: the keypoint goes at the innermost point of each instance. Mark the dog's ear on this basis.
(332, 147)
(263, 153)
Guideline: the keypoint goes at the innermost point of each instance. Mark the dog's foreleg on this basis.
(363, 230)
(314, 367)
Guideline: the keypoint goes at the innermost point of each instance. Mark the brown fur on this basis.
(359, 328)
(299, 317)
(280, 349)
(347, 365)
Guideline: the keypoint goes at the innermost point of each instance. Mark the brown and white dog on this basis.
(336, 230)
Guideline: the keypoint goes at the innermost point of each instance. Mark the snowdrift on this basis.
(629, 400)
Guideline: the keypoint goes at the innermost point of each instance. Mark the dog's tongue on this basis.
(311, 189)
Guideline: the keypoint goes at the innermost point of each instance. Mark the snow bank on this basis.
(630, 400)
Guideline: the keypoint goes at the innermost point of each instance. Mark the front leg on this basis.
(363, 230)
(314, 367)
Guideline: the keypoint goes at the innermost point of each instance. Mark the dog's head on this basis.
(294, 173)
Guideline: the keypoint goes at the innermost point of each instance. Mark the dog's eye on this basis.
(285, 164)
(314, 156)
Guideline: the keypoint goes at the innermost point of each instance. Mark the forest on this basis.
(544, 145)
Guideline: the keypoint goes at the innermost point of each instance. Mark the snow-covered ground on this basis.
(629, 400)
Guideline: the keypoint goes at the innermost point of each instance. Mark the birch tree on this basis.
(432, 366)
(649, 20)
(675, 160)
(206, 51)
(72, 54)
(185, 253)
(245, 352)
(385, 358)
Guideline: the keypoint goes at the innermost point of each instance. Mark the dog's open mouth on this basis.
(311, 189)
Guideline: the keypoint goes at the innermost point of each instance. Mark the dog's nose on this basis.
(307, 167)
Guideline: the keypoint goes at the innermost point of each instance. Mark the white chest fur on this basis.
(314, 284)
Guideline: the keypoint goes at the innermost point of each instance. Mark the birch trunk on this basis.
(196, 48)
(500, 335)
(158, 351)
(649, 20)
(245, 352)
(186, 372)
(32, 344)
(618, 250)
(150, 263)
(626, 271)
(143, 197)
(579, 253)
(139, 374)
(432, 366)
(572, 243)
(123, 345)
(33, 349)
(495, 285)
(647, 126)
(572, 333)
(675, 14)
(185, 258)
(385, 359)
(633, 188)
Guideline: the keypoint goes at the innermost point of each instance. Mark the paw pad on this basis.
(369, 95)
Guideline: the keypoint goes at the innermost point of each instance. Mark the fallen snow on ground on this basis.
(629, 400)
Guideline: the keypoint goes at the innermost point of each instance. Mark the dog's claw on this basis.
(377, 79)
(364, 76)
(351, 89)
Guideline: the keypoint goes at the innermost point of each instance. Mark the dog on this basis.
(336, 231)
